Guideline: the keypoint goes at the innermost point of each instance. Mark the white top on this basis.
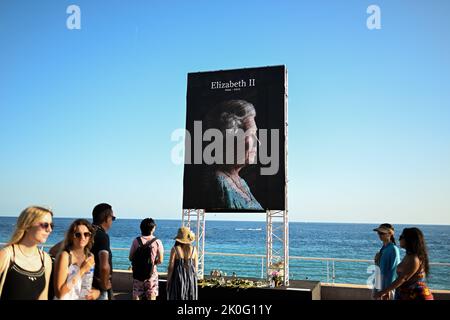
(77, 292)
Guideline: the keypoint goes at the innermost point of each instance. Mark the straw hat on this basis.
(185, 235)
(385, 228)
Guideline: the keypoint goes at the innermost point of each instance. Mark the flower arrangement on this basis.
(217, 280)
(275, 279)
(276, 274)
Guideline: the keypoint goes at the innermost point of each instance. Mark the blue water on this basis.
(323, 240)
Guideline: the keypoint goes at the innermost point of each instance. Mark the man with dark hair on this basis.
(146, 253)
(103, 217)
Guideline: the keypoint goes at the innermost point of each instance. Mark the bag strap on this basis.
(149, 243)
(139, 240)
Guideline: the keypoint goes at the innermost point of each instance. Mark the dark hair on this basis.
(147, 226)
(415, 244)
(68, 239)
(101, 213)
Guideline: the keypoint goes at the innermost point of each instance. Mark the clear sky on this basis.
(86, 115)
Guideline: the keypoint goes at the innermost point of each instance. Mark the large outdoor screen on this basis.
(235, 140)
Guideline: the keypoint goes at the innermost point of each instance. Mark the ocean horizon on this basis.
(306, 239)
(208, 218)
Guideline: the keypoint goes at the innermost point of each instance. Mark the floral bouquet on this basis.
(276, 274)
(218, 280)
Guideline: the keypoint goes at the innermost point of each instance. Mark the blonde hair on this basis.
(26, 220)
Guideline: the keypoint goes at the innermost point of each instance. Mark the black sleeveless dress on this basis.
(21, 284)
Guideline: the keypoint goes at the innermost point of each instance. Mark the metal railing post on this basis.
(328, 271)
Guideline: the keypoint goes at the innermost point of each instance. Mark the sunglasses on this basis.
(85, 234)
(381, 233)
(45, 225)
(401, 237)
(113, 218)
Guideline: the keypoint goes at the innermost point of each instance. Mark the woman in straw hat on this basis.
(24, 268)
(387, 259)
(183, 266)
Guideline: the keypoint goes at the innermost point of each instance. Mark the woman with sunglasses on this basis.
(74, 265)
(412, 270)
(24, 268)
(387, 259)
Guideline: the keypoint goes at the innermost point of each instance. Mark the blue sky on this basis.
(86, 115)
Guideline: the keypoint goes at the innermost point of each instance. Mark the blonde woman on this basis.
(183, 266)
(24, 268)
(74, 266)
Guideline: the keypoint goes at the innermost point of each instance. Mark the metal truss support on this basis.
(197, 226)
(277, 244)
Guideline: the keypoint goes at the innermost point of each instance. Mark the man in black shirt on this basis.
(102, 217)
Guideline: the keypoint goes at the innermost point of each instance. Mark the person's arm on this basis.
(133, 247)
(385, 268)
(104, 269)
(60, 274)
(171, 265)
(196, 260)
(410, 267)
(48, 274)
(5, 258)
(160, 252)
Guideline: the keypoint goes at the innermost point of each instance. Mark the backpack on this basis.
(142, 262)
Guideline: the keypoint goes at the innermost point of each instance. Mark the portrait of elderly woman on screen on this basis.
(223, 186)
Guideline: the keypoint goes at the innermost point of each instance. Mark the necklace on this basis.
(239, 186)
(80, 257)
(26, 256)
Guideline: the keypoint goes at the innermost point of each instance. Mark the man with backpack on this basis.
(146, 253)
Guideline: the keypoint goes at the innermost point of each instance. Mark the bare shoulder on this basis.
(5, 258)
(47, 258)
(412, 261)
(415, 260)
(63, 256)
(5, 253)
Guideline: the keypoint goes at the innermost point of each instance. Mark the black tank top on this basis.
(21, 284)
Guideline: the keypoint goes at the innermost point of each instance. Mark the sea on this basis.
(313, 240)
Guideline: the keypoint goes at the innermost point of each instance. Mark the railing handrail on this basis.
(445, 264)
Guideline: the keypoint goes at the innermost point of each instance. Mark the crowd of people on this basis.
(80, 266)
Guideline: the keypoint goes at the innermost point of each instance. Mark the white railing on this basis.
(330, 263)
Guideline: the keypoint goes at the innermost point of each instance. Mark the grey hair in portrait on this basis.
(230, 114)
